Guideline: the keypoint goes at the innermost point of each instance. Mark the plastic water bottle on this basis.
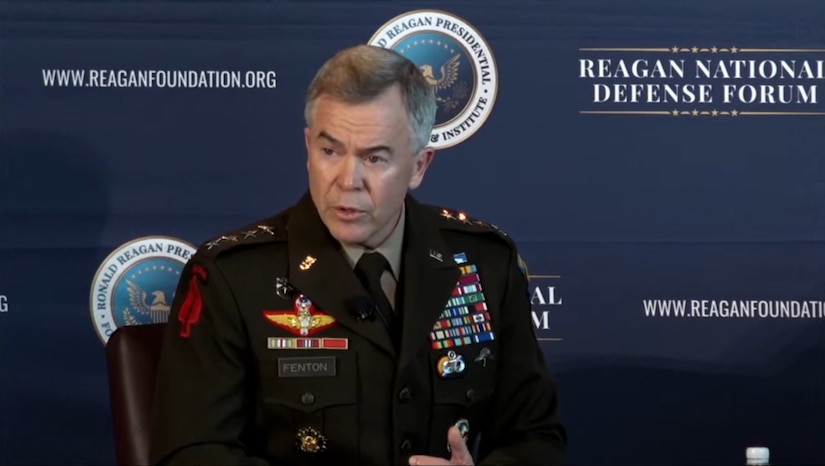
(758, 456)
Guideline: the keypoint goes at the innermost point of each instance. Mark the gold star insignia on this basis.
(734, 112)
(714, 49)
(695, 49)
(714, 112)
(675, 113)
(733, 50)
(446, 214)
(694, 112)
(675, 49)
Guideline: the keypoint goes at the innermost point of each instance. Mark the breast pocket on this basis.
(463, 389)
(311, 403)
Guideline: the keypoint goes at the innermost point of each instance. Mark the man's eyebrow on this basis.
(373, 149)
(364, 151)
(328, 137)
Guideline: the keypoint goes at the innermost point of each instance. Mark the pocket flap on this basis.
(310, 380)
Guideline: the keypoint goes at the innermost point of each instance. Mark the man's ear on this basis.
(421, 162)
(306, 142)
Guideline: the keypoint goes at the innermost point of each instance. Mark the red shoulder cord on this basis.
(190, 311)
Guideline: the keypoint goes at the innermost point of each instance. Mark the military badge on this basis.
(275, 343)
(483, 355)
(450, 365)
(303, 320)
(309, 440)
(465, 319)
(283, 289)
(307, 263)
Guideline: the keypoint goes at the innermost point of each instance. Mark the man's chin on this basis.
(348, 235)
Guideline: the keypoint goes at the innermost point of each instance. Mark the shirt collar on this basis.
(391, 248)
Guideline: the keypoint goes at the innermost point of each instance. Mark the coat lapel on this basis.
(319, 270)
(429, 276)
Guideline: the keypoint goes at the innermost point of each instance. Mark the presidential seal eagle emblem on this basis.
(456, 60)
(136, 283)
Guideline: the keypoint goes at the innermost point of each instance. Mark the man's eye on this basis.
(328, 151)
(374, 159)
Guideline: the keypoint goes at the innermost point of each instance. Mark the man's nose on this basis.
(351, 175)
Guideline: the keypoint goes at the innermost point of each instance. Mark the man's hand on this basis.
(461, 455)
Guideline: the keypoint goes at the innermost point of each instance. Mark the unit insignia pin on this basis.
(309, 440)
(283, 288)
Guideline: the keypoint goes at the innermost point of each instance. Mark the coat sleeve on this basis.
(526, 428)
(203, 399)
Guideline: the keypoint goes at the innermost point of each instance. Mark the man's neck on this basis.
(390, 247)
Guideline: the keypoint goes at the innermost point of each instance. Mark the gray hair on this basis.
(362, 73)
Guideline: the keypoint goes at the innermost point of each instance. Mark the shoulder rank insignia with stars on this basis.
(261, 232)
(303, 320)
(460, 218)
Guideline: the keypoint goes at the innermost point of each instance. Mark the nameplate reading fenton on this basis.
(321, 366)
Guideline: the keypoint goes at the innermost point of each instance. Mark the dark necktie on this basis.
(369, 269)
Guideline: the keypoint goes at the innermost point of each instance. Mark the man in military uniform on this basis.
(358, 326)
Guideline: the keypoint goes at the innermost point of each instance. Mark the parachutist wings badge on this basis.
(303, 320)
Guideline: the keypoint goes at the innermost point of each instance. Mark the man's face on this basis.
(360, 166)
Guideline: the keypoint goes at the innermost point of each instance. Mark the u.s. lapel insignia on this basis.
(303, 320)
(307, 263)
(450, 365)
(309, 440)
(283, 289)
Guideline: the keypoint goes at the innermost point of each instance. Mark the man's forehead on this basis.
(391, 95)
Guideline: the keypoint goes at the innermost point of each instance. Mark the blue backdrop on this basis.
(676, 243)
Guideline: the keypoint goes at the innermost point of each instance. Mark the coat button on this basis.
(471, 394)
(405, 394)
(406, 446)
(307, 398)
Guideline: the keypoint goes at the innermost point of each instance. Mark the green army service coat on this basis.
(270, 356)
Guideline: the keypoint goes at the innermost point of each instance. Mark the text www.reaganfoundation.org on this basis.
(174, 79)
(755, 309)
